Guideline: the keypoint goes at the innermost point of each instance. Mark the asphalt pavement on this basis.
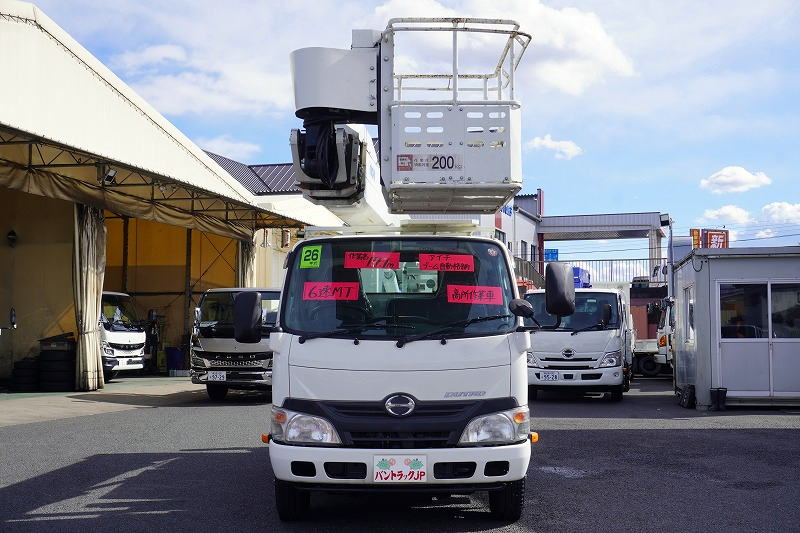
(175, 461)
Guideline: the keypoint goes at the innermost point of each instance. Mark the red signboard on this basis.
(330, 290)
(715, 238)
(372, 260)
(474, 294)
(695, 237)
(447, 262)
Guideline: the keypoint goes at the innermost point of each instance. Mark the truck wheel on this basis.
(217, 393)
(616, 393)
(506, 504)
(291, 503)
(626, 381)
(533, 394)
(109, 375)
(648, 366)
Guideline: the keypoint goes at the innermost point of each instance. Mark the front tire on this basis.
(533, 394)
(217, 393)
(292, 504)
(616, 393)
(506, 504)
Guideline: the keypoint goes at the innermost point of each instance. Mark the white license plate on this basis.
(400, 468)
(215, 375)
(548, 376)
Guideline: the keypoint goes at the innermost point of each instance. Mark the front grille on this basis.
(565, 359)
(565, 367)
(118, 346)
(227, 356)
(238, 364)
(400, 439)
(435, 409)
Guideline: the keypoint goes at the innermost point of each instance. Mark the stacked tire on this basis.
(25, 375)
(57, 370)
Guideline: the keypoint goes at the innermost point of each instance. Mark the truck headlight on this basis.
(108, 350)
(504, 427)
(197, 361)
(533, 361)
(299, 428)
(611, 359)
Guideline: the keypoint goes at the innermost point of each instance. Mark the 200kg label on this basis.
(428, 162)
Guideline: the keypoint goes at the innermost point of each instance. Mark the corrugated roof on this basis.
(240, 171)
(275, 178)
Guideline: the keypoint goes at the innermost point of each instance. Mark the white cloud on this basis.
(781, 212)
(562, 149)
(131, 62)
(765, 233)
(229, 147)
(734, 179)
(727, 214)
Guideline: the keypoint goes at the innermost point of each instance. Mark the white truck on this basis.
(591, 350)
(666, 326)
(122, 335)
(217, 360)
(401, 387)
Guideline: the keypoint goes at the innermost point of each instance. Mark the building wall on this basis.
(36, 274)
(270, 257)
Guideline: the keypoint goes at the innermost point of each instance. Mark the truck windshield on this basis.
(588, 311)
(394, 287)
(118, 309)
(216, 308)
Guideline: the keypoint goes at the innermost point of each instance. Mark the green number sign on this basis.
(310, 256)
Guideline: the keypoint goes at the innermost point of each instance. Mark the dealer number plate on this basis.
(400, 468)
(549, 376)
(216, 375)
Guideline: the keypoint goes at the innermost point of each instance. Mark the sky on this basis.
(683, 107)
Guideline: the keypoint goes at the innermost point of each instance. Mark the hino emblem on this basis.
(568, 352)
(399, 405)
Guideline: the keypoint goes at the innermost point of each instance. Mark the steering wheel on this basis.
(352, 312)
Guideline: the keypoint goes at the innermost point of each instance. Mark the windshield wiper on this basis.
(447, 327)
(351, 328)
(600, 325)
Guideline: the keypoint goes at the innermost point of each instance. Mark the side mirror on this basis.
(12, 318)
(151, 315)
(520, 307)
(247, 317)
(559, 289)
(606, 310)
(196, 315)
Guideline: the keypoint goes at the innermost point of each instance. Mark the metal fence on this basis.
(652, 271)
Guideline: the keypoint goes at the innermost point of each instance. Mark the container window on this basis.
(743, 310)
(688, 316)
(786, 310)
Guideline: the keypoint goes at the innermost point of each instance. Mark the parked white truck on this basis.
(217, 360)
(591, 350)
(122, 335)
(401, 386)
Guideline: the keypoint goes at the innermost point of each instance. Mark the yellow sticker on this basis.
(310, 256)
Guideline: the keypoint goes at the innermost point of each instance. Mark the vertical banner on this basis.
(716, 238)
(695, 238)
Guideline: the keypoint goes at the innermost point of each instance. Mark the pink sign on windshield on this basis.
(372, 260)
(474, 294)
(447, 262)
(330, 290)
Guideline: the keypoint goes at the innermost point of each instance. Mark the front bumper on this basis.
(593, 378)
(123, 363)
(517, 455)
(238, 378)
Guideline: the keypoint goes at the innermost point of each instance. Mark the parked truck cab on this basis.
(217, 360)
(122, 335)
(398, 366)
(585, 351)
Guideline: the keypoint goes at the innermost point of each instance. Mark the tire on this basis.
(616, 393)
(110, 375)
(57, 386)
(56, 355)
(292, 504)
(26, 364)
(62, 375)
(648, 366)
(217, 393)
(506, 504)
(533, 394)
(626, 381)
(57, 366)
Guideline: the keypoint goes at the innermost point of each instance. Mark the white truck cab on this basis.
(584, 351)
(398, 365)
(666, 326)
(122, 335)
(217, 360)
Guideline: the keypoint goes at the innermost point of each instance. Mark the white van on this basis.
(399, 365)
(122, 335)
(217, 360)
(587, 350)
